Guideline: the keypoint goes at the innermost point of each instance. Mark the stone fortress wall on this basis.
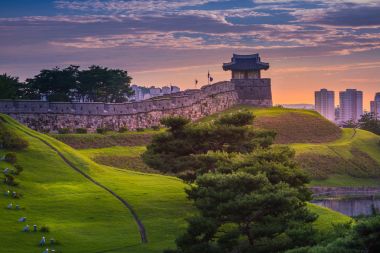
(193, 104)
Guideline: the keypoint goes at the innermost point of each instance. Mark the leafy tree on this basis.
(99, 84)
(362, 237)
(369, 122)
(177, 150)
(9, 87)
(253, 202)
(57, 84)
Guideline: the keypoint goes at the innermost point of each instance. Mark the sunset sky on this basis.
(310, 44)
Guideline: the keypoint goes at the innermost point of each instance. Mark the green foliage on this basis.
(369, 122)
(177, 150)
(9, 87)
(155, 127)
(64, 130)
(175, 123)
(95, 84)
(10, 140)
(57, 84)
(101, 130)
(251, 202)
(123, 129)
(100, 84)
(45, 229)
(81, 130)
(10, 180)
(18, 168)
(10, 158)
(362, 237)
(241, 118)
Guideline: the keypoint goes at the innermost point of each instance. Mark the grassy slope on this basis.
(86, 218)
(81, 215)
(312, 136)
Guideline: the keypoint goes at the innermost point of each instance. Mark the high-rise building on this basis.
(325, 103)
(375, 106)
(351, 105)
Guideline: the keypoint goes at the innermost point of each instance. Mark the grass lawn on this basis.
(331, 156)
(83, 217)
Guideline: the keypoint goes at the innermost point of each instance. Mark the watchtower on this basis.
(246, 76)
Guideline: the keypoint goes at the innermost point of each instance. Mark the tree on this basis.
(57, 84)
(99, 84)
(9, 87)
(364, 236)
(369, 122)
(252, 202)
(179, 148)
(250, 197)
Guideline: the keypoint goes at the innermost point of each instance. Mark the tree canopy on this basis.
(9, 87)
(95, 84)
(250, 196)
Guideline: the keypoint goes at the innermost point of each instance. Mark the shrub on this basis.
(123, 129)
(45, 229)
(10, 180)
(155, 127)
(11, 140)
(101, 130)
(81, 130)
(18, 168)
(64, 130)
(140, 129)
(10, 158)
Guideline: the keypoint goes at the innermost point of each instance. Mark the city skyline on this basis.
(310, 44)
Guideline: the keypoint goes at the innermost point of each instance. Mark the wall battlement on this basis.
(193, 104)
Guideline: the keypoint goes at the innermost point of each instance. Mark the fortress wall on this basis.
(193, 104)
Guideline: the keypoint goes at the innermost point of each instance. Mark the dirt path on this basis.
(142, 231)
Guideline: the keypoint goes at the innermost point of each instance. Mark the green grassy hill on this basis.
(331, 156)
(84, 217)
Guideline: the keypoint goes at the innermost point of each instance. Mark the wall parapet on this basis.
(193, 104)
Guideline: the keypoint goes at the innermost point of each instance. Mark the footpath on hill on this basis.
(139, 223)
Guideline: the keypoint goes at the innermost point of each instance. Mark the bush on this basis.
(155, 127)
(140, 129)
(45, 229)
(64, 130)
(10, 158)
(18, 168)
(10, 140)
(101, 130)
(123, 129)
(10, 180)
(81, 130)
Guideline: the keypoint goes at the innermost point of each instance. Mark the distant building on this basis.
(298, 106)
(375, 106)
(154, 92)
(325, 103)
(143, 93)
(351, 105)
(166, 90)
(175, 89)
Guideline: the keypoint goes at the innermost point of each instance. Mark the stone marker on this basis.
(46, 251)
(10, 206)
(5, 171)
(34, 228)
(22, 219)
(7, 193)
(17, 207)
(26, 228)
(52, 241)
